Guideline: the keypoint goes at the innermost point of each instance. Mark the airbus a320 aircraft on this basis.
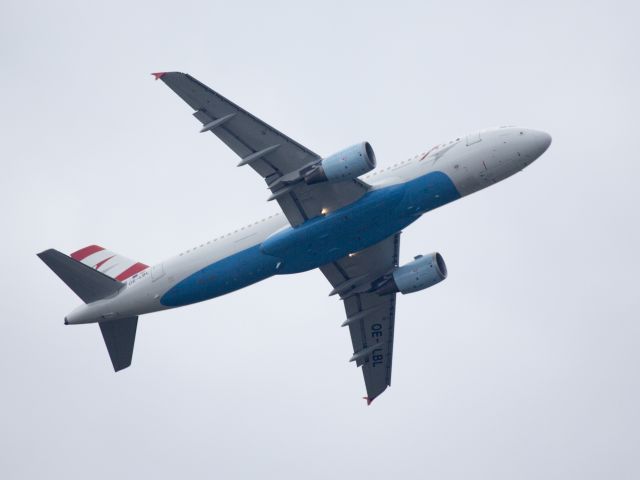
(338, 214)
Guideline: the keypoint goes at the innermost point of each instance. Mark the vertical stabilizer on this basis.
(108, 262)
(119, 337)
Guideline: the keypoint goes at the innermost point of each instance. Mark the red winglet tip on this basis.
(369, 400)
(158, 75)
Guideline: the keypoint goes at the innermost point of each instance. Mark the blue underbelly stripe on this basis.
(376, 216)
(227, 275)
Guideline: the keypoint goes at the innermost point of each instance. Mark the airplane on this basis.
(338, 214)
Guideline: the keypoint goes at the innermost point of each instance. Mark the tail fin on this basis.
(116, 266)
(119, 337)
(90, 285)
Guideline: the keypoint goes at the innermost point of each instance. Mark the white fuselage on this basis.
(472, 163)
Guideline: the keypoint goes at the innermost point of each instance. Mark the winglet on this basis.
(158, 75)
(369, 400)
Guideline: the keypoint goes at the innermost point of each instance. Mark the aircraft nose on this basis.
(532, 143)
(539, 141)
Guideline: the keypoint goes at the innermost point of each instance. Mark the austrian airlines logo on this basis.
(439, 152)
(99, 264)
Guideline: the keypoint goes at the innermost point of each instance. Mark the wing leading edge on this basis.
(370, 317)
(280, 160)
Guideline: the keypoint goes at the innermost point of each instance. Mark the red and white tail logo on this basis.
(108, 262)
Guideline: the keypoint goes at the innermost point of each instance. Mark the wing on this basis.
(370, 317)
(281, 161)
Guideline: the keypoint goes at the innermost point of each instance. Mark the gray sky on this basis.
(523, 364)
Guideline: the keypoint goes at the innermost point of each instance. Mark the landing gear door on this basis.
(473, 138)
(157, 272)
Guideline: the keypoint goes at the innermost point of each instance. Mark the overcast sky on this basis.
(523, 364)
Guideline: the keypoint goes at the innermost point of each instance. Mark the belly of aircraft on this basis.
(325, 239)
(379, 214)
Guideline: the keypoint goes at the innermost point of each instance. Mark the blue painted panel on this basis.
(374, 217)
(227, 275)
(428, 193)
(327, 238)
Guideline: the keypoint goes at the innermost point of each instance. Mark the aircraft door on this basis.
(157, 272)
(473, 138)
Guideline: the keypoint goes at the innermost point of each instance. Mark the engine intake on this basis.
(423, 272)
(347, 164)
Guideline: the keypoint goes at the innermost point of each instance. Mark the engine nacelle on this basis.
(423, 272)
(347, 164)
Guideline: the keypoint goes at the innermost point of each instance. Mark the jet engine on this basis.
(423, 272)
(347, 164)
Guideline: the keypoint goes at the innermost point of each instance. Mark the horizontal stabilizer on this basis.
(89, 284)
(119, 337)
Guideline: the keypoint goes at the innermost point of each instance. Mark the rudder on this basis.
(119, 337)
